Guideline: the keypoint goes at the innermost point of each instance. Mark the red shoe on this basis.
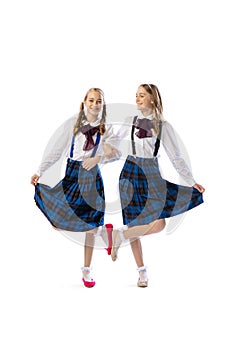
(88, 284)
(109, 228)
(86, 273)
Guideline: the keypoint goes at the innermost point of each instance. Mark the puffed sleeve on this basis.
(175, 154)
(125, 129)
(57, 146)
(110, 137)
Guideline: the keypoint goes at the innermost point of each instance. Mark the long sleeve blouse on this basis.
(60, 144)
(145, 146)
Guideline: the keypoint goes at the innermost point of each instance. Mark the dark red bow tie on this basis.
(89, 131)
(144, 125)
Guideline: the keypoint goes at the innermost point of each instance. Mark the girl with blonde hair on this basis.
(147, 198)
(77, 202)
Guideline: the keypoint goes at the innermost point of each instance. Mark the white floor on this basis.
(188, 303)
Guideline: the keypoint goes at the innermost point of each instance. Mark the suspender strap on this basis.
(97, 141)
(157, 143)
(132, 136)
(72, 148)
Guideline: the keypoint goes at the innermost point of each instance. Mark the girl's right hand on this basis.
(34, 179)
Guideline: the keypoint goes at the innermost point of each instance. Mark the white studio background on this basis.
(51, 53)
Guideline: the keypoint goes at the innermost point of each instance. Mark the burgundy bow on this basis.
(144, 125)
(89, 131)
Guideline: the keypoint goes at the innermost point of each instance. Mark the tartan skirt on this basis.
(77, 202)
(146, 196)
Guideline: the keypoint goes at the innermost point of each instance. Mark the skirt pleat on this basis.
(77, 202)
(146, 196)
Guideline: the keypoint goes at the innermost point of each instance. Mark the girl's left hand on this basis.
(199, 188)
(34, 179)
(89, 163)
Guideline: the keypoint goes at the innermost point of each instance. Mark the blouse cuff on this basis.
(38, 172)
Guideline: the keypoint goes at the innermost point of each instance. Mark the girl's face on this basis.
(144, 101)
(93, 103)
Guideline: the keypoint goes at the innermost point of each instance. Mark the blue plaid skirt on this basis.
(77, 202)
(146, 196)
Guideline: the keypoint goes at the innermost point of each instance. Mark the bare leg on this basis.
(137, 252)
(137, 231)
(133, 233)
(88, 248)
(136, 247)
(88, 252)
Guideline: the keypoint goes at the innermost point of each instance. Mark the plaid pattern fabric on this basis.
(76, 203)
(146, 196)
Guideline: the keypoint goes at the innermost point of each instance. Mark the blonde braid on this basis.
(79, 119)
(103, 120)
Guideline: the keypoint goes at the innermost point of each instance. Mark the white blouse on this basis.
(145, 146)
(60, 144)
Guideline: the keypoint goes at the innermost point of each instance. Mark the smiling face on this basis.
(144, 101)
(93, 103)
